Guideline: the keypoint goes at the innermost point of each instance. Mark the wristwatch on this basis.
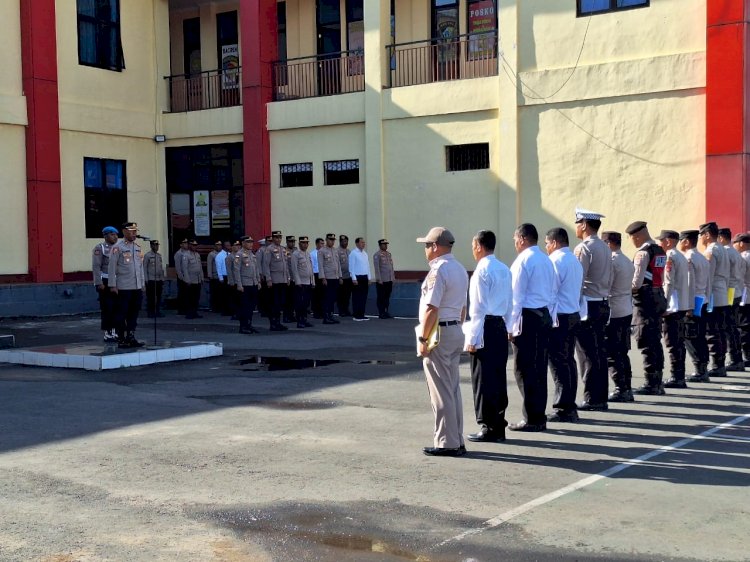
(422, 340)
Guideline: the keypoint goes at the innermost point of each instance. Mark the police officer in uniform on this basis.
(698, 287)
(181, 286)
(345, 289)
(596, 259)
(233, 296)
(264, 298)
(679, 303)
(246, 274)
(192, 274)
(316, 301)
(153, 270)
(126, 281)
(718, 308)
(304, 281)
(742, 245)
(277, 279)
(385, 275)
(213, 277)
(736, 285)
(289, 298)
(330, 274)
(649, 305)
(100, 270)
(617, 335)
(443, 302)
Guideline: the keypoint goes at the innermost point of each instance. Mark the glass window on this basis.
(482, 24)
(105, 194)
(341, 172)
(589, 7)
(99, 38)
(461, 157)
(296, 175)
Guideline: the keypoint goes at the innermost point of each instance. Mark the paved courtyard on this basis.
(306, 445)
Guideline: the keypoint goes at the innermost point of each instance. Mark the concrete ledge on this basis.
(103, 357)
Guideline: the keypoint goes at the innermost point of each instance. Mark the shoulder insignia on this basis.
(97, 251)
(639, 258)
(115, 250)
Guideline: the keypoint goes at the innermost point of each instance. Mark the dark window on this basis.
(589, 7)
(355, 37)
(105, 191)
(341, 172)
(191, 37)
(296, 175)
(99, 38)
(467, 157)
(282, 75)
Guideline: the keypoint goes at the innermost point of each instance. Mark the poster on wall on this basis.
(447, 31)
(220, 209)
(201, 222)
(230, 66)
(482, 29)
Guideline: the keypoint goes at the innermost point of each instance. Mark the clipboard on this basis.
(433, 339)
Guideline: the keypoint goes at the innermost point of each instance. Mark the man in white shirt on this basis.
(530, 323)
(485, 337)
(742, 244)
(736, 284)
(219, 263)
(359, 269)
(699, 287)
(562, 362)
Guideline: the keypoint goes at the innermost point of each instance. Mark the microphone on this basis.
(146, 238)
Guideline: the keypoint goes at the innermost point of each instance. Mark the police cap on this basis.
(672, 234)
(303, 239)
(276, 234)
(688, 235)
(130, 226)
(710, 227)
(330, 236)
(291, 239)
(725, 232)
(612, 236)
(584, 215)
(742, 237)
(636, 226)
(383, 241)
(109, 230)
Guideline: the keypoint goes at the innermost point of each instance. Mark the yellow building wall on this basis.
(317, 210)
(13, 221)
(146, 198)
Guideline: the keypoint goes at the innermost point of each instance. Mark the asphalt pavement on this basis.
(306, 445)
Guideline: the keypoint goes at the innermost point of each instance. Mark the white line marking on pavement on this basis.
(730, 436)
(520, 510)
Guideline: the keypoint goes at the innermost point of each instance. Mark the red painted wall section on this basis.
(44, 200)
(259, 50)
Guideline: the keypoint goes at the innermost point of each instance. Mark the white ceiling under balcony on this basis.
(187, 4)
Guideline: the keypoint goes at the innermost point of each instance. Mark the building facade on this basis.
(210, 119)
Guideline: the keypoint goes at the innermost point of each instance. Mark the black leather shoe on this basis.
(327, 321)
(647, 390)
(443, 451)
(587, 406)
(718, 372)
(564, 417)
(737, 366)
(619, 395)
(487, 436)
(462, 450)
(524, 426)
(675, 383)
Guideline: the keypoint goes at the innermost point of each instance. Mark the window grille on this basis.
(463, 157)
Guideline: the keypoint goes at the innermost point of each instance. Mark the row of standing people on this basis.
(689, 289)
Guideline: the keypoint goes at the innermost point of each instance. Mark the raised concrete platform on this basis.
(100, 357)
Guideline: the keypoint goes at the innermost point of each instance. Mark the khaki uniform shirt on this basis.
(621, 293)
(274, 264)
(100, 262)
(126, 266)
(229, 262)
(344, 262)
(191, 267)
(211, 265)
(153, 267)
(382, 263)
(736, 271)
(246, 270)
(746, 259)
(329, 266)
(302, 268)
(718, 273)
(445, 288)
(676, 286)
(697, 274)
(260, 256)
(177, 263)
(288, 254)
(596, 259)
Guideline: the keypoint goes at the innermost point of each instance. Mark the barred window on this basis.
(462, 157)
(296, 175)
(341, 172)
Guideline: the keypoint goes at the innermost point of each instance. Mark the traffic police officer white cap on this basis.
(584, 215)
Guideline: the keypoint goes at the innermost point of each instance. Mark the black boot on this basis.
(737, 365)
(700, 374)
(132, 342)
(653, 386)
(676, 381)
(718, 371)
(620, 395)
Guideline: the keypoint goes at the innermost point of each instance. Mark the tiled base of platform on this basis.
(108, 356)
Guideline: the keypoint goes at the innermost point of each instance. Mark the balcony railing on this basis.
(435, 60)
(205, 90)
(322, 75)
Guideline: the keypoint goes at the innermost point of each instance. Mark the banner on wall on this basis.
(230, 66)
(482, 20)
(220, 217)
(201, 222)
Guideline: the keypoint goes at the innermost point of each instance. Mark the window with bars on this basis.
(99, 36)
(341, 172)
(590, 7)
(461, 157)
(296, 175)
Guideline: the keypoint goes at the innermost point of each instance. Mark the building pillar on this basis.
(44, 197)
(258, 35)
(727, 119)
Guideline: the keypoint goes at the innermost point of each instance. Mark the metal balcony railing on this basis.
(205, 90)
(321, 75)
(434, 60)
